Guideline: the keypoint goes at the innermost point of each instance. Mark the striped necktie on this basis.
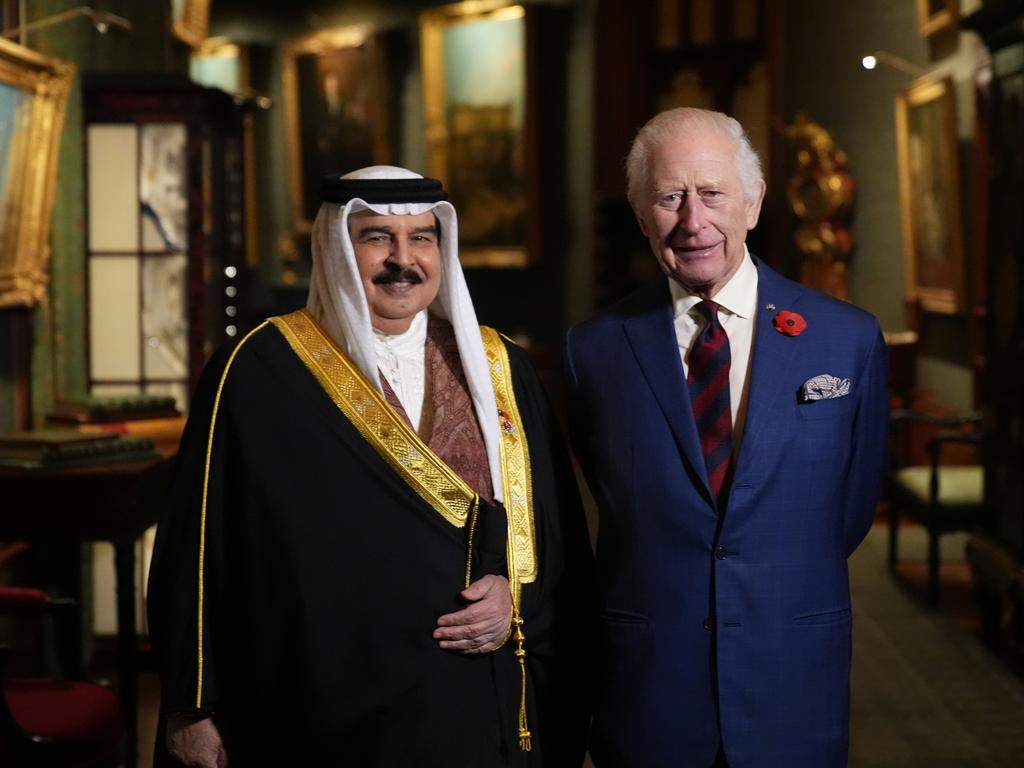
(708, 380)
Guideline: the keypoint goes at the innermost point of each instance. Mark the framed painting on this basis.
(33, 99)
(190, 21)
(933, 16)
(479, 118)
(336, 118)
(926, 145)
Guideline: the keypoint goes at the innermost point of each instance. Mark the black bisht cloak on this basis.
(323, 575)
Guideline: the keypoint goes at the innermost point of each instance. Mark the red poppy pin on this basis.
(789, 323)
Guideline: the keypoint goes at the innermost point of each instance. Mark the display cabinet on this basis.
(996, 550)
(165, 232)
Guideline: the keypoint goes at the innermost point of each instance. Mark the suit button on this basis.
(721, 553)
(707, 624)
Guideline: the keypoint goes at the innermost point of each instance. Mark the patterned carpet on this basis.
(925, 691)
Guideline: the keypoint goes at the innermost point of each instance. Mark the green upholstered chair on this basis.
(942, 497)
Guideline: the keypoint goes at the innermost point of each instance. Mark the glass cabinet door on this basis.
(137, 259)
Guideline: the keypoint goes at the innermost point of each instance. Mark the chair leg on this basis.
(933, 567)
(894, 532)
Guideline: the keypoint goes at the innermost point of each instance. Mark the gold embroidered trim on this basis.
(202, 514)
(517, 483)
(516, 475)
(378, 423)
(473, 513)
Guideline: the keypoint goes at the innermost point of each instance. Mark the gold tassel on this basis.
(474, 508)
(525, 739)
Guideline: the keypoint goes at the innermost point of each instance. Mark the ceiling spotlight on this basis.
(869, 62)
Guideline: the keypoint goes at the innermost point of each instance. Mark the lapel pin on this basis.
(770, 307)
(789, 323)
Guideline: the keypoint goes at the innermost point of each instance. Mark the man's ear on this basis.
(753, 207)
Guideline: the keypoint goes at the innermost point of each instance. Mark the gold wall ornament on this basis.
(33, 100)
(821, 195)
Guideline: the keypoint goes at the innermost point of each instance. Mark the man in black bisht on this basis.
(373, 553)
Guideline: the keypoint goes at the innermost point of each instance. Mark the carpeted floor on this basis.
(925, 692)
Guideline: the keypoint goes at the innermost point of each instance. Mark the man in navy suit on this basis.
(732, 427)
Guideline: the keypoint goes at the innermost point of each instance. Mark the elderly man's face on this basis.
(399, 259)
(693, 210)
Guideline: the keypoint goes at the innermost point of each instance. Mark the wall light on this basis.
(873, 59)
(103, 21)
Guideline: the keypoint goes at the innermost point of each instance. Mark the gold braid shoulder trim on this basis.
(517, 482)
(415, 463)
(378, 423)
(516, 474)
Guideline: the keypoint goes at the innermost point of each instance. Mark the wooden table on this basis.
(103, 502)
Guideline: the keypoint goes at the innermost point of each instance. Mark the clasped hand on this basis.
(480, 627)
(483, 625)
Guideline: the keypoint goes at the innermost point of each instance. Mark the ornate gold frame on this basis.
(432, 25)
(946, 299)
(337, 37)
(25, 246)
(191, 21)
(930, 23)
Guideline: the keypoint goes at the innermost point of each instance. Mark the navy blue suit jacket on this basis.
(729, 628)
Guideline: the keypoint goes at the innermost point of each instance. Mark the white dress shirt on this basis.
(737, 312)
(402, 360)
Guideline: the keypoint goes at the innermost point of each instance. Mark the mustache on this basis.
(397, 275)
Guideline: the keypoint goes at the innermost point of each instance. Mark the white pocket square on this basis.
(824, 387)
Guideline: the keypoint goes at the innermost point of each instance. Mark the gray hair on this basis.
(661, 128)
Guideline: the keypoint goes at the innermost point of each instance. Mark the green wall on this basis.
(58, 360)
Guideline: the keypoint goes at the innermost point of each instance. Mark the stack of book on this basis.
(103, 410)
(62, 448)
(152, 416)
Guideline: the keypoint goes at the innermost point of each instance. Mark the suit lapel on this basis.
(651, 334)
(772, 356)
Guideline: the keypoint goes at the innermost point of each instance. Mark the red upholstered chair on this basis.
(51, 722)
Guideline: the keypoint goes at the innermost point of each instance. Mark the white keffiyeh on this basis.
(338, 302)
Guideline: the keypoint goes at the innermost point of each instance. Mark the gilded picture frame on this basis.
(934, 16)
(33, 101)
(336, 98)
(479, 117)
(190, 21)
(926, 145)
